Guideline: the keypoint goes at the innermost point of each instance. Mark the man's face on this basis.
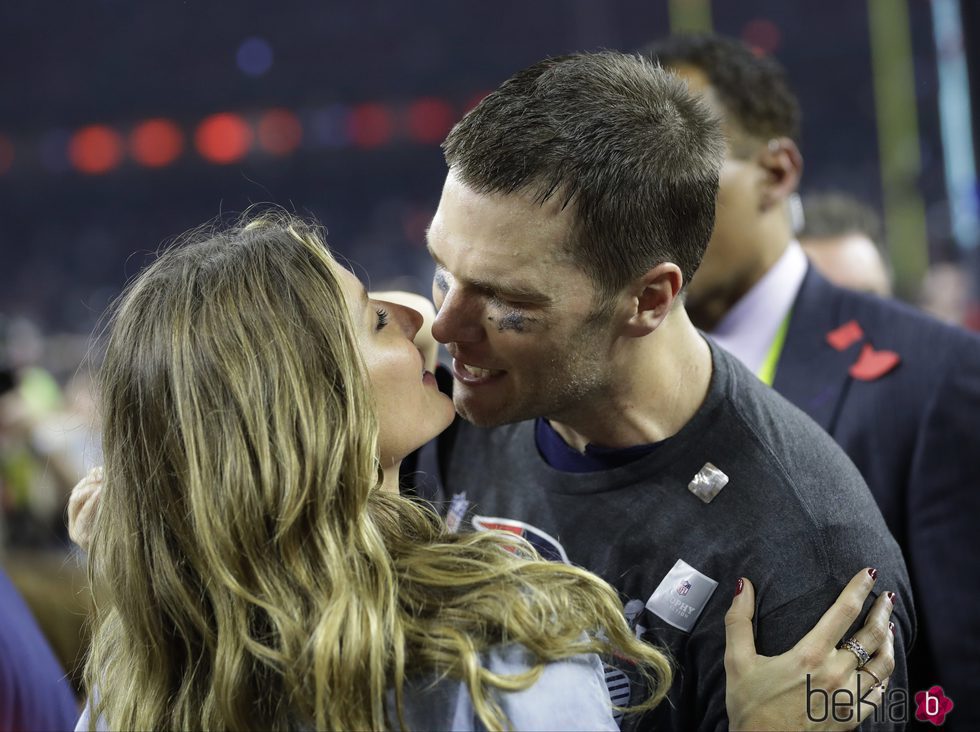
(513, 309)
(730, 262)
(851, 261)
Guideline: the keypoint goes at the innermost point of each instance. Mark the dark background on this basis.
(68, 239)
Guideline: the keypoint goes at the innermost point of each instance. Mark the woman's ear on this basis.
(654, 295)
(782, 165)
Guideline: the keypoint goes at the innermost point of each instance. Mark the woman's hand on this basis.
(771, 693)
(83, 505)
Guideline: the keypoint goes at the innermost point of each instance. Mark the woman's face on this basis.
(411, 409)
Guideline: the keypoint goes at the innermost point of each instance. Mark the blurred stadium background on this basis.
(122, 124)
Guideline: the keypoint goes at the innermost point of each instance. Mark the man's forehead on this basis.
(508, 226)
(526, 201)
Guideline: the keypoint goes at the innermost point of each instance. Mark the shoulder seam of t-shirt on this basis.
(783, 473)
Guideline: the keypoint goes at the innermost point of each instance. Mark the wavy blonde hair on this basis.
(251, 573)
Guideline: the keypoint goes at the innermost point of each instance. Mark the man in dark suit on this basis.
(899, 391)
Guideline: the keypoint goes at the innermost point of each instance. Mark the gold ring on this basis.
(873, 675)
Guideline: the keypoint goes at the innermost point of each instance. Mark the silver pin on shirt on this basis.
(708, 483)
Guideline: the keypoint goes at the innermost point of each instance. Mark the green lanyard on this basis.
(767, 374)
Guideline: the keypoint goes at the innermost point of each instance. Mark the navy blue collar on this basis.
(561, 456)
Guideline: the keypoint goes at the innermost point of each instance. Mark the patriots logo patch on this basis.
(547, 545)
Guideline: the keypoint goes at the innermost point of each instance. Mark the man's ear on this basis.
(653, 297)
(782, 164)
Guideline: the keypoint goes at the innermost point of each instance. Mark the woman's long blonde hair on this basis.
(251, 574)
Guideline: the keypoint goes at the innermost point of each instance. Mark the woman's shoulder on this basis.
(570, 694)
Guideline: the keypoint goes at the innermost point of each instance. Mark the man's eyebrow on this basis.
(510, 290)
(513, 291)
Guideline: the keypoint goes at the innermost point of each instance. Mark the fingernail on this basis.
(892, 598)
(739, 586)
(891, 627)
(873, 572)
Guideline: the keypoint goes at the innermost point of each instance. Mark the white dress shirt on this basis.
(750, 326)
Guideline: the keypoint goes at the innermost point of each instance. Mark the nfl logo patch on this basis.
(683, 588)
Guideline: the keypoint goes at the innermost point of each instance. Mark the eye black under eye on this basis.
(442, 282)
(382, 318)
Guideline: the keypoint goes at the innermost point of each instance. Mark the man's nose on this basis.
(459, 319)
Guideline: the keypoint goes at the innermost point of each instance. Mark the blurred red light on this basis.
(95, 149)
(156, 142)
(429, 120)
(6, 154)
(280, 132)
(762, 35)
(370, 125)
(223, 138)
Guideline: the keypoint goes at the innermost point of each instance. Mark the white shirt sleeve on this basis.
(570, 694)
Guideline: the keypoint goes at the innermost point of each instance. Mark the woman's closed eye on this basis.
(382, 318)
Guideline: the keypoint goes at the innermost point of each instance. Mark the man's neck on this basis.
(658, 383)
(750, 328)
(769, 241)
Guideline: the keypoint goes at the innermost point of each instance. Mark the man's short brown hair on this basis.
(617, 137)
(753, 89)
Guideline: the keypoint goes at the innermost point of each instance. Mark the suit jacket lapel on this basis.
(812, 374)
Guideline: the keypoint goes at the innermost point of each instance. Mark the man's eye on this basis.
(382, 318)
(499, 301)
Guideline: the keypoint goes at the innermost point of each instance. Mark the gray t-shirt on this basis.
(792, 514)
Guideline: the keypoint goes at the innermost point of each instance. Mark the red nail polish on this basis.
(873, 572)
(739, 586)
(892, 598)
